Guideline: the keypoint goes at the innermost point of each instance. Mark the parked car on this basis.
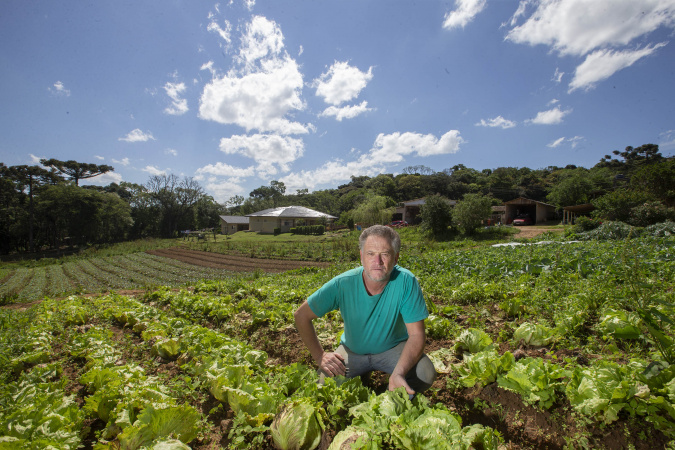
(398, 224)
(523, 219)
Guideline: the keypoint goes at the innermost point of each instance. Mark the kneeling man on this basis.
(383, 310)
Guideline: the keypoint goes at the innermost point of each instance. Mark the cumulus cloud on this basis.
(178, 105)
(152, 170)
(264, 92)
(59, 89)
(498, 121)
(137, 135)
(341, 83)
(224, 170)
(171, 151)
(387, 150)
(464, 13)
(551, 117)
(599, 30)
(602, 64)
(103, 179)
(345, 112)
(272, 153)
(223, 190)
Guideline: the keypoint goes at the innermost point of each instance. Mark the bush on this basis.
(611, 231)
(650, 213)
(316, 230)
(277, 231)
(585, 223)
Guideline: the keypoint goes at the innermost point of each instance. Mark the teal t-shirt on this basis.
(373, 324)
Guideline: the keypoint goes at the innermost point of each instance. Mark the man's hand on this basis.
(332, 364)
(396, 380)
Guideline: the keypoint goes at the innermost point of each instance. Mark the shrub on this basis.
(277, 231)
(585, 223)
(650, 213)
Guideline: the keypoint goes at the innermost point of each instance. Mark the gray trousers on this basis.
(420, 377)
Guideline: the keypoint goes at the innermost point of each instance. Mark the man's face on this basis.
(378, 258)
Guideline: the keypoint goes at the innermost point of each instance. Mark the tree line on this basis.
(44, 206)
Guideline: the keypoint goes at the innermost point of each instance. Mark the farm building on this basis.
(538, 211)
(570, 213)
(232, 224)
(409, 210)
(285, 217)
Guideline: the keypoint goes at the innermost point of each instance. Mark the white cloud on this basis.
(224, 170)
(152, 170)
(345, 112)
(103, 180)
(551, 117)
(272, 153)
(123, 161)
(267, 89)
(553, 102)
(223, 32)
(387, 150)
(498, 121)
(556, 143)
(599, 30)
(577, 27)
(341, 83)
(464, 13)
(391, 148)
(602, 64)
(59, 89)
(36, 159)
(557, 76)
(573, 141)
(223, 190)
(137, 136)
(100, 158)
(178, 105)
(171, 151)
(263, 40)
(249, 4)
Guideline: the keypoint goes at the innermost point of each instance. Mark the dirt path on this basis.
(528, 232)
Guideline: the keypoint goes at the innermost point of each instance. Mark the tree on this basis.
(375, 210)
(471, 211)
(572, 190)
(436, 214)
(174, 199)
(76, 171)
(31, 178)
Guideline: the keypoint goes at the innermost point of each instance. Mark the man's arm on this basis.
(331, 363)
(412, 352)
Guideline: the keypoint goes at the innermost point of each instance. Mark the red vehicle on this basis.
(523, 219)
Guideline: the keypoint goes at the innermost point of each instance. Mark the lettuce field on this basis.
(539, 345)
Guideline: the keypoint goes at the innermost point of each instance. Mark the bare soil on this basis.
(531, 231)
(235, 263)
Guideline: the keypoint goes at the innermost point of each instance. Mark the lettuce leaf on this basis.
(298, 426)
(153, 424)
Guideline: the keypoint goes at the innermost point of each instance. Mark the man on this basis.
(383, 310)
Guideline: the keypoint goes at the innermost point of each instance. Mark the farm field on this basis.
(555, 345)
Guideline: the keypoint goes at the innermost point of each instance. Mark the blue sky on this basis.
(312, 92)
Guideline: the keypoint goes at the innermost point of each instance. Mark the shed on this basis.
(285, 217)
(539, 211)
(570, 213)
(410, 210)
(232, 224)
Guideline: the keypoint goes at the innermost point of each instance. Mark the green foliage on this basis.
(585, 223)
(297, 427)
(473, 340)
(617, 205)
(374, 210)
(484, 367)
(436, 215)
(469, 212)
(536, 381)
(534, 334)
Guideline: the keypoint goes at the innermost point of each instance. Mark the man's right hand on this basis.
(332, 364)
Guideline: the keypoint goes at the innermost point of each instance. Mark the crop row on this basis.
(133, 271)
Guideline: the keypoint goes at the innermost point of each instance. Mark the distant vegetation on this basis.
(44, 209)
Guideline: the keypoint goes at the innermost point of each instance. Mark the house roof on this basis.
(234, 219)
(297, 212)
(526, 201)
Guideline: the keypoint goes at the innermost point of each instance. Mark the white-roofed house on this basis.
(285, 218)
